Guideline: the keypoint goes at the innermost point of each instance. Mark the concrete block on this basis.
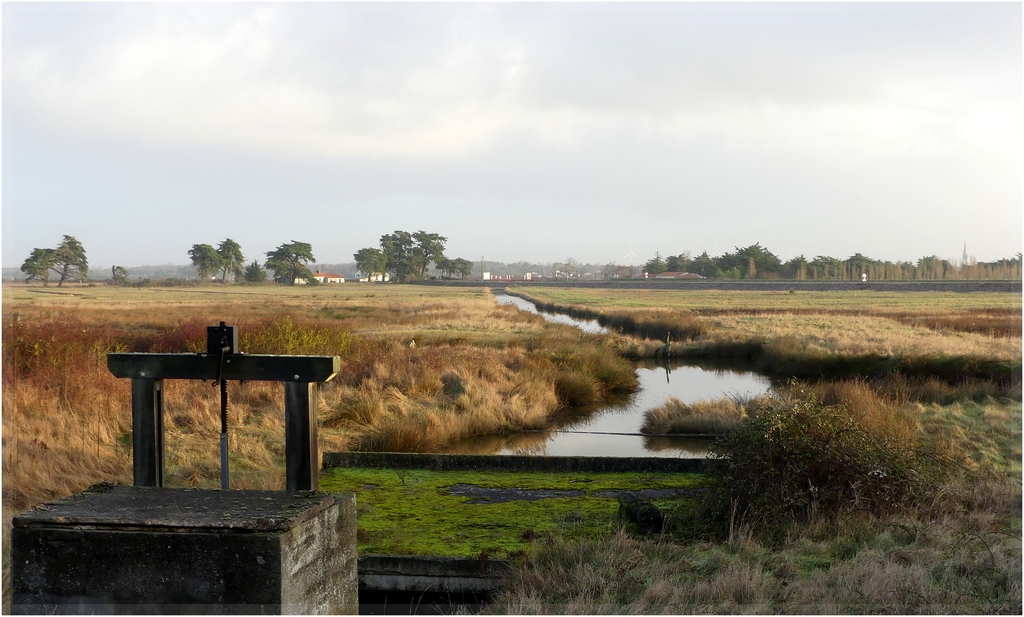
(432, 574)
(137, 550)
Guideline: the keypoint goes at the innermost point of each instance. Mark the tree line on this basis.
(757, 262)
(405, 257)
(288, 262)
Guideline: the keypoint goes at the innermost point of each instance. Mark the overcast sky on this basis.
(519, 131)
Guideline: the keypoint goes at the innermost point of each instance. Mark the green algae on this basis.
(410, 511)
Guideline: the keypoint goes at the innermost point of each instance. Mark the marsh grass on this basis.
(650, 323)
(421, 368)
(836, 331)
(422, 398)
(698, 418)
(901, 565)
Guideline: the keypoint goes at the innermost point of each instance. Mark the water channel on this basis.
(613, 429)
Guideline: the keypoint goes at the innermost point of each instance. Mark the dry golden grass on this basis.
(422, 367)
(698, 418)
(856, 335)
(816, 323)
(719, 300)
(902, 565)
(424, 398)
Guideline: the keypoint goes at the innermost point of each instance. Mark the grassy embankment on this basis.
(892, 493)
(813, 334)
(420, 367)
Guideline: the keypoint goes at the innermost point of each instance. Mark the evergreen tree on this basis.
(288, 262)
(231, 259)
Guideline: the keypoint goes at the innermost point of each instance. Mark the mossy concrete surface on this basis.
(511, 462)
(414, 512)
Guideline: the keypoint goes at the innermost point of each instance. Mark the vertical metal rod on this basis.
(223, 434)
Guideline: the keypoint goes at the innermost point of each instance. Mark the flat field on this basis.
(423, 366)
(715, 300)
(907, 324)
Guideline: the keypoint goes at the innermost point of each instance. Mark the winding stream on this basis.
(613, 429)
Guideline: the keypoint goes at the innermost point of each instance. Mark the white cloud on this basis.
(217, 77)
(639, 107)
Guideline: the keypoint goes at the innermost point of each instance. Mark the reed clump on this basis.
(698, 418)
(424, 398)
(587, 375)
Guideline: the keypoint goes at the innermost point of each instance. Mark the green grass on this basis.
(988, 434)
(410, 512)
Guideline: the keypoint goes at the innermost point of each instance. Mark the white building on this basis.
(326, 278)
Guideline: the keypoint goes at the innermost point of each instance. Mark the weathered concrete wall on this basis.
(441, 462)
(431, 574)
(132, 550)
(318, 563)
(123, 572)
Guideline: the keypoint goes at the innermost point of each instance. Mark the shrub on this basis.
(285, 337)
(793, 458)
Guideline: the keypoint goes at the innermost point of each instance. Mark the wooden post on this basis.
(148, 432)
(302, 457)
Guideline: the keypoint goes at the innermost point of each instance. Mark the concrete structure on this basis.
(511, 462)
(132, 550)
(432, 574)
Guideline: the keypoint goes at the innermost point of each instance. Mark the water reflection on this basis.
(613, 429)
(587, 325)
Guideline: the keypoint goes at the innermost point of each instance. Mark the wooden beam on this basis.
(301, 453)
(147, 432)
(236, 367)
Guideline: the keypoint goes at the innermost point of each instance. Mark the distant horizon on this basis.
(639, 262)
